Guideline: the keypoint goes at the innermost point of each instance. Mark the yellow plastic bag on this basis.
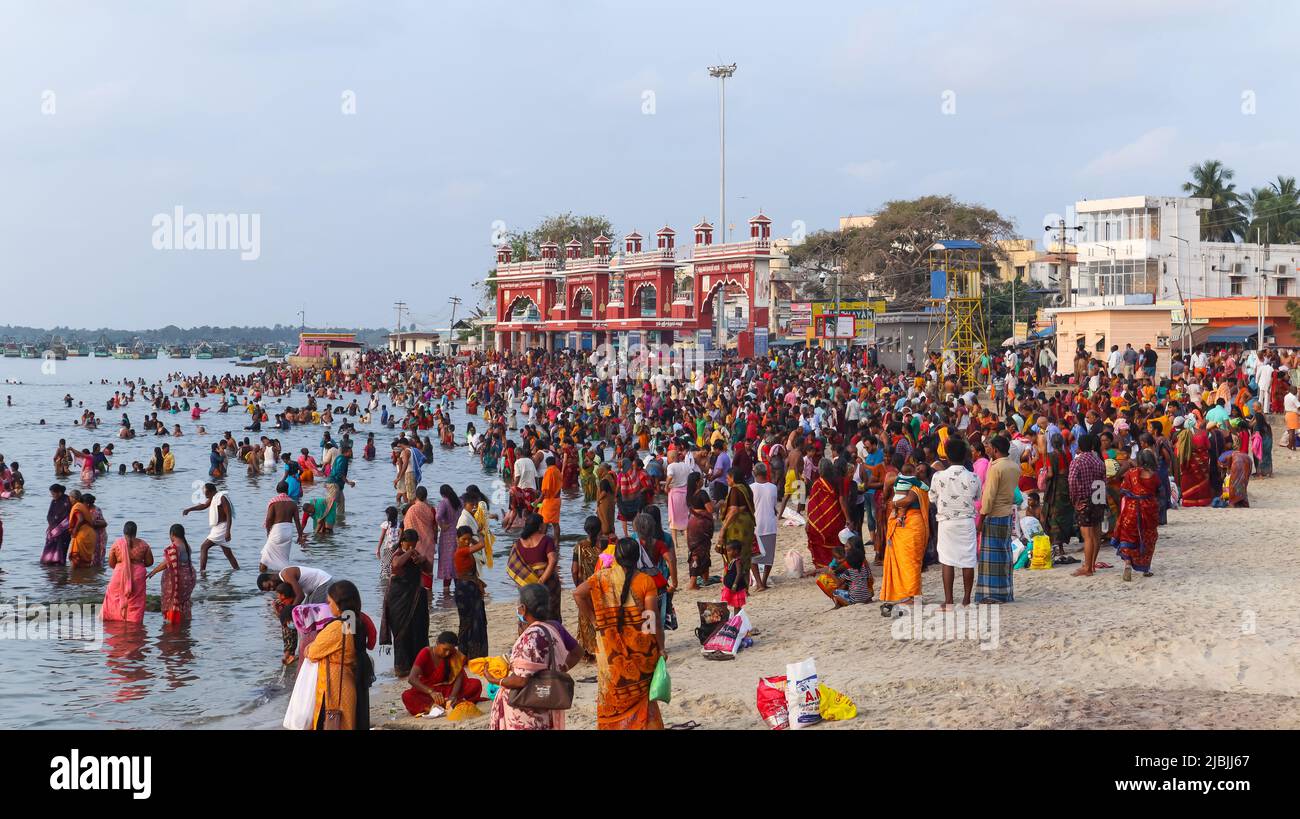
(496, 666)
(1042, 558)
(834, 705)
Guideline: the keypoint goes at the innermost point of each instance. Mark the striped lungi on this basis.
(993, 576)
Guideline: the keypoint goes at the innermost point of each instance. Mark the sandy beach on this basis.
(1211, 641)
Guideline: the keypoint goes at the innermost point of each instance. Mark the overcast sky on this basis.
(468, 114)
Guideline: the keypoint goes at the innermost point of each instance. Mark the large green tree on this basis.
(1227, 217)
(560, 228)
(1274, 211)
(889, 258)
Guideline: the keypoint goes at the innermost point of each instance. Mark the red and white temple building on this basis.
(708, 296)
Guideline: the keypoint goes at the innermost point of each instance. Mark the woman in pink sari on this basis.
(128, 557)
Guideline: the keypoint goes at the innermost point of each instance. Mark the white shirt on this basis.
(954, 492)
(678, 473)
(525, 473)
(764, 508)
(1291, 403)
(1116, 358)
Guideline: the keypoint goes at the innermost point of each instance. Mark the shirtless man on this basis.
(281, 524)
(62, 460)
(405, 480)
(220, 516)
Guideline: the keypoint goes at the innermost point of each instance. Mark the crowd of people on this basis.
(888, 472)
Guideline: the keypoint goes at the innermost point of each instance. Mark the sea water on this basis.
(223, 669)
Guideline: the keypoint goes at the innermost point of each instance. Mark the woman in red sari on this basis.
(569, 465)
(1194, 457)
(825, 514)
(1135, 532)
(178, 578)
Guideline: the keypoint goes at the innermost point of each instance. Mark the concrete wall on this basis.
(1110, 327)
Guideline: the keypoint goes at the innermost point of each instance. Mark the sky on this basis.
(380, 147)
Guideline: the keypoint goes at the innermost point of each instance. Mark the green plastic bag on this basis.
(661, 686)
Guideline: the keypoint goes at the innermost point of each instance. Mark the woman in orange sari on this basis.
(825, 514)
(620, 600)
(344, 669)
(906, 535)
(85, 538)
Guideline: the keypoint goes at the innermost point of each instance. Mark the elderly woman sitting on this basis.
(541, 645)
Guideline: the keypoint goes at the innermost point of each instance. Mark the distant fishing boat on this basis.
(273, 350)
(143, 349)
(57, 350)
(220, 350)
(124, 352)
(203, 351)
(178, 351)
(79, 349)
(30, 351)
(11, 348)
(102, 348)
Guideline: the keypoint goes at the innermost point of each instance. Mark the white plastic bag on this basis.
(793, 564)
(302, 703)
(725, 642)
(801, 694)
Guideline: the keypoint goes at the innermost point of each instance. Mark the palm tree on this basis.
(1275, 211)
(1226, 219)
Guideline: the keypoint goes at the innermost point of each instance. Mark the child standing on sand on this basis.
(735, 584)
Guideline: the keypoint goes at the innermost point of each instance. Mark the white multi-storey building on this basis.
(1140, 249)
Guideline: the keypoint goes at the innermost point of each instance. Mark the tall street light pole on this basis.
(722, 72)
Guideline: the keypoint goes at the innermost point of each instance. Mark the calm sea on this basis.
(223, 669)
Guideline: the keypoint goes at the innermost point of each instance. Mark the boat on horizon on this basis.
(178, 351)
(29, 351)
(102, 348)
(273, 350)
(203, 351)
(11, 348)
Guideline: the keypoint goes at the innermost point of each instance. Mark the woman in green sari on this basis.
(587, 473)
(738, 522)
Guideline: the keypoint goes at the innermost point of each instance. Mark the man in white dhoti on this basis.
(282, 529)
(954, 492)
(221, 515)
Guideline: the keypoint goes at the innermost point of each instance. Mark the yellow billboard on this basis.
(864, 313)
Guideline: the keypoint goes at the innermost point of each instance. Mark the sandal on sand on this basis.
(1065, 560)
(684, 726)
(1100, 565)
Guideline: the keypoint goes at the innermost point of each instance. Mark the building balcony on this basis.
(750, 247)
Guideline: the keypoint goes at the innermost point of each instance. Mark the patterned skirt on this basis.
(993, 576)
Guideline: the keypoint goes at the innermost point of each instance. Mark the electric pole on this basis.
(451, 328)
(721, 73)
(1064, 277)
(400, 306)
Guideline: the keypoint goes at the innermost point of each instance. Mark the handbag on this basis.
(547, 690)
